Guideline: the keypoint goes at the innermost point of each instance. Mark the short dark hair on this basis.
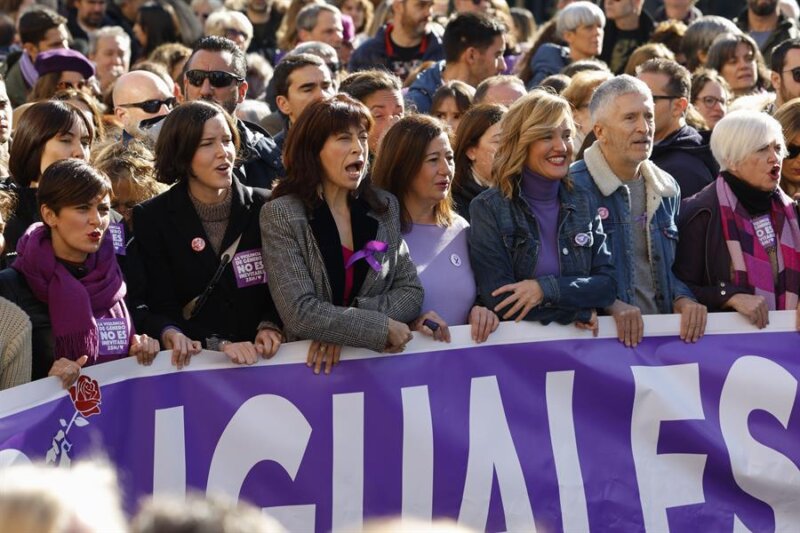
(71, 182)
(679, 81)
(287, 65)
(38, 124)
(180, 136)
(215, 43)
(779, 53)
(470, 30)
(361, 84)
(7, 30)
(462, 93)
(36, 22)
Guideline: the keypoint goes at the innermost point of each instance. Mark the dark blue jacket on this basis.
(259, 162)
(376, 52)
(549, 59)
(420, 95)
(687, 157)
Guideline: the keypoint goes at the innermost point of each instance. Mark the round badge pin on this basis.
(455, 259)
(581, 239)
(602, 212)
(198, 244)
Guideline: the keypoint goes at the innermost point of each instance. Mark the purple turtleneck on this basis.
(541, 194)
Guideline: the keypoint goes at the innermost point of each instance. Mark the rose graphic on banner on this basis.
(86, 396)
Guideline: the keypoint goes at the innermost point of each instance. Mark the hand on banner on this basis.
(183, 348)
(526, 295)
(144, 348)
(267, 342)
(67, 370)
(241, 353)
(432, 325)
(753, 307)
(592, 325)
(693, 318)
(399, 336)
(484, 322)
(323, 352)
(630, 326)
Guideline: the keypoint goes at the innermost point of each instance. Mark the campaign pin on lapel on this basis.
(198, 244)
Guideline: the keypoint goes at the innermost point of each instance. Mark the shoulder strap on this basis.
(194, 306)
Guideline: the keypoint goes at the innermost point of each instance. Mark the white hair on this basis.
(742, 133)
(579, 14)
(109, 31)
(612, 88)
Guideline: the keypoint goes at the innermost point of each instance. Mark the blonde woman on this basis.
(536, 243)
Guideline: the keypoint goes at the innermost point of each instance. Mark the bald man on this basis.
(140, 95)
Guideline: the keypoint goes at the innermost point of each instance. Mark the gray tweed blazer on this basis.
(300, 286)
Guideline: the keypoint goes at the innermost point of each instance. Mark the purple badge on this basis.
(117, 231)
(248, 267)
(113, 334)
(582, 239)
(602, 212)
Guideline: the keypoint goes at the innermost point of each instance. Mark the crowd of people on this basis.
(234, 176)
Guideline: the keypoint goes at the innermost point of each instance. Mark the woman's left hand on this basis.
(323, 352)
(433, 325)
(241, 353)
(144, 348)
(525, 295)
(592, 325)
(267, 342)
(484, 322)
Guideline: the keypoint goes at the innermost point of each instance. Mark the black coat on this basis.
(259, 162)
(165, 272)
(13, 287)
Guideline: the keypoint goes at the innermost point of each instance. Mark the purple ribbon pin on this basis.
(367, 253)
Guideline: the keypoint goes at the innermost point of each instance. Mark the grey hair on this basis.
(216, 5)
(741, 133)
(219, 21)
(612, 88)
(307, 17)
(317, 48)
(579, 14)
(108, 31)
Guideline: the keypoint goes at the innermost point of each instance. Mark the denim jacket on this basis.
(663, 200)
(504, 245)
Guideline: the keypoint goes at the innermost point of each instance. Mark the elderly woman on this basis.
(536, 240)
(739, 246)
(737, 58)
(339, 270)
(789, 117)
(580, 25)
(231, 24)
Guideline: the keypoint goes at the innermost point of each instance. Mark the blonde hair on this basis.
(530, 119)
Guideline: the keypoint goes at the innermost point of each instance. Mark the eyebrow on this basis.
(309, 84)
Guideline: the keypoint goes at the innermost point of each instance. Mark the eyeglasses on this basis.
(792, 151)
(710, 101)
(152, 106)
(795, 74)
(216, 78)
(64, 85)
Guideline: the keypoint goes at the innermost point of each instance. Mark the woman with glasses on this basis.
(231, 25)
(62, 69)
(710, 96)
(739, 245)
(196, 263)
(789, 117)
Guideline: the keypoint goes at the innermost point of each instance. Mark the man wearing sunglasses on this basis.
(215, 72)
(785, 75)
(140, 95)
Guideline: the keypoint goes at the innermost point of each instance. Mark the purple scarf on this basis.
(74, 304)
(29, 73)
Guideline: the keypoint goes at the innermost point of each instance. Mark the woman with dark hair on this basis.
(88, 106)
(418, 170)
(66, 278)
(198, 245)
(339, 269)
(48, 131)
(451, 101)
(475, 145)
(155, 25)
(536, 241)
(737, 58)
(710, 96)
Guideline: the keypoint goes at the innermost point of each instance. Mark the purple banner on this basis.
(541, 428)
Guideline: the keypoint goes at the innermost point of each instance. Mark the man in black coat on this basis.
(216, 72)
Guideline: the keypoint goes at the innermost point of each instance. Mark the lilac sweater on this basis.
(541, 194)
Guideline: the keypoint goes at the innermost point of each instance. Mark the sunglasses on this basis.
(792, 151)
(216, 78)
(795, 74)
(152, 106)
(710, 101)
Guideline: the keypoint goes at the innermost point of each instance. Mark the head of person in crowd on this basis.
(161, 71)
(203, 9)
(524, 28)
(131, 169)
(473, 48)
(624, 13)
(110, 50)
(380, 91)
(785, 75)
(299, 81)
(287, 33)
(216, 71)
(232, 25)
(451, 101)
(580, 25)
(555, 82)
(623, 115)
(788, 115)
(474, 147)
(325, 52)
(670, 85)
(670, 33)
(583, 65)
(579, 93)
(90, 13)
(48, 131)
(138, 96)
(737, 58)
(320, 22)
(500, 89)
(6, 114)
(88, 106)
(700, 35)
(411, 16)
(259, 73)
(253, 111)
(711, 95)
(470, 6)
(173, 56)
(61, 69)
(361, 11)
(646, 52)
(156, 24)
(40, 30)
